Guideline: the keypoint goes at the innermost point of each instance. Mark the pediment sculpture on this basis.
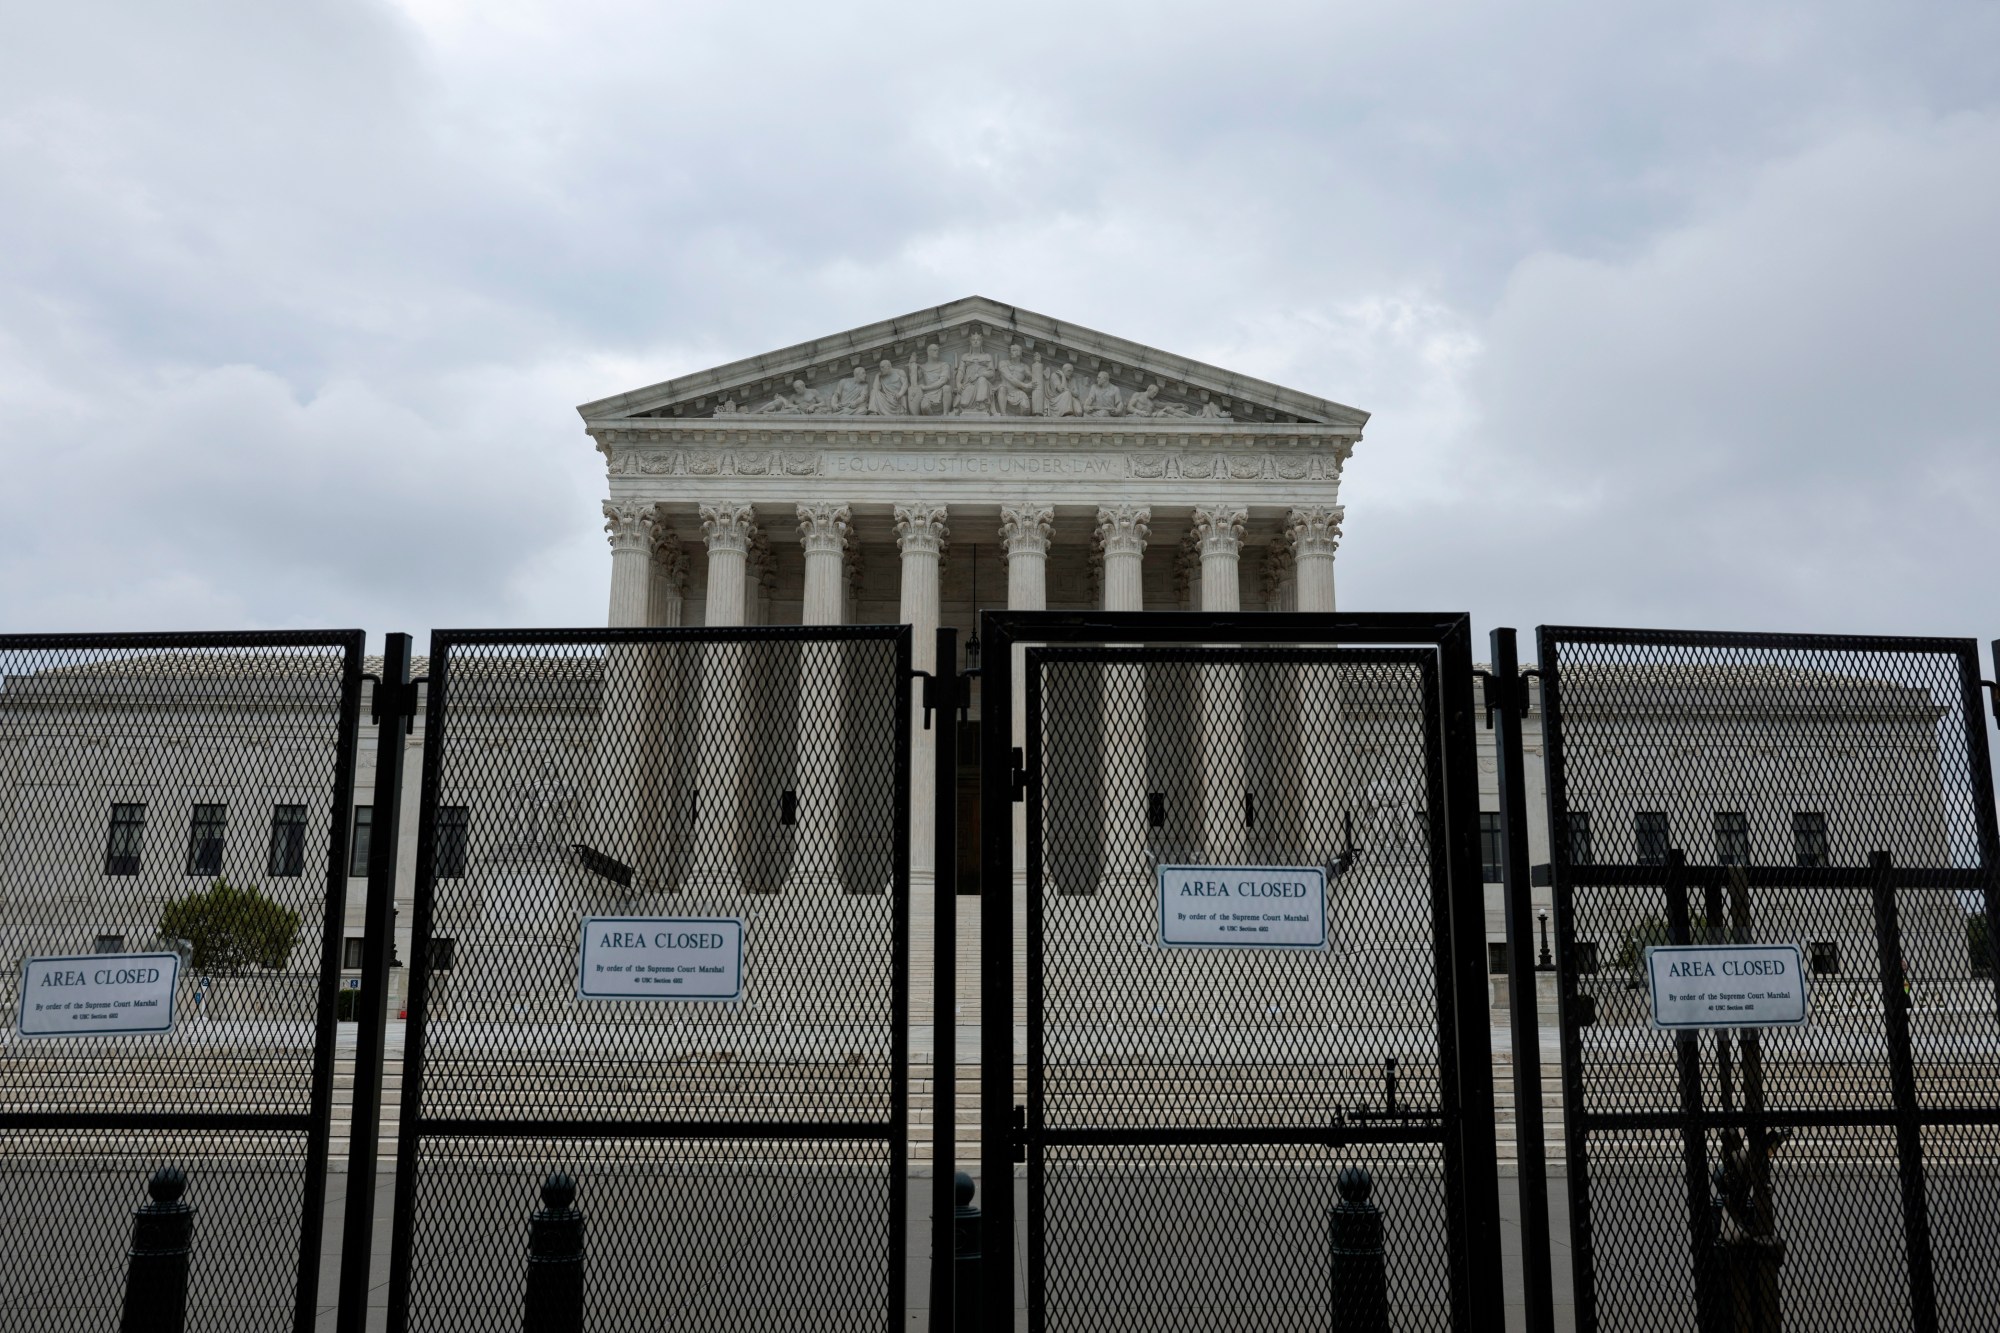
(978, 381)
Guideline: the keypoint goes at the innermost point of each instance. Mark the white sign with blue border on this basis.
(98, 995)
(661, 958)
(1727, 985)
(1243, 907)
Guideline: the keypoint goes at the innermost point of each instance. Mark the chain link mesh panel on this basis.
(178, 795)
(1834, 794)
(1184, 1104)
(740, 1164)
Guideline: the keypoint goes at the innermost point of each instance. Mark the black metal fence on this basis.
(173, 868)
(1828, 793)
(1226, 1110)
(1227, 1137)
(724, 815)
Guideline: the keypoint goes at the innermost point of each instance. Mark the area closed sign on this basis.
(1726, 985)
(1243, 907)
(661, 958)
(98, 995)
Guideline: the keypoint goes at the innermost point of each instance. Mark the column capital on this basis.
(920, 529)
(1026, 529)
(669, 559)
(1314, 530)
(1123, 529)
(728, 526)
(1219, 529)
(823, 528)
(628, 527)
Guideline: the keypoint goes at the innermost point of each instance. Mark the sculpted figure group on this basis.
(978, 384)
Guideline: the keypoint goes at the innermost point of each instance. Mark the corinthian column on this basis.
(823, 532)
(1219, 531)
(1315, 535)
(1121, 535)
(717, 761)
(1024, 536)
(630, 529)
(920, 536)
(618, 798)
(1319, 757)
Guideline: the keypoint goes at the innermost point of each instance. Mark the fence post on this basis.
(156, 1279)
(555, 1261)
(965, 1225)
(1360, 1266)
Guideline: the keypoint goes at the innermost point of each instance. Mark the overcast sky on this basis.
(1677, 314)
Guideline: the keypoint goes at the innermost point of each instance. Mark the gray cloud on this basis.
(1674, 314)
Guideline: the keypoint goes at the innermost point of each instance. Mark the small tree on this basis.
(232, 930)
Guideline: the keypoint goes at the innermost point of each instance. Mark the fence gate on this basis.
(173, 862)
(660, 948)
(1253, 964)
(1831, 794)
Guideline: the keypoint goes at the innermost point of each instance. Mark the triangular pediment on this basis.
(972, 359)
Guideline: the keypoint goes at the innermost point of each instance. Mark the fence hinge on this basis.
(1019, 777)
(1020, 1133)
(1510, 695)
(399, 700)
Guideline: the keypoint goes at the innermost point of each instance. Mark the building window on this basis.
(452, 823)
(1581, 850)
(1489, 847)
(108, 944)
(357, 845)
(1649, 830)
(1496, 959)
(1825, 958)
(352, 953)
(444, 953)
(288, 841)
(1809, 838)
(205, 832)
(1732, 838)
(128, 831)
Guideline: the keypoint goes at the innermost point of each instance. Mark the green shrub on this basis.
(232, 930)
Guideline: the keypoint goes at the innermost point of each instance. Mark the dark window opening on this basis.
(453, 823)
(1489, 848)
(108, 944)
(353, 951)
(1809, 838)
(1496, 959)
(288, 841)
(128, 833)
(1825, 958)
(444, 953)
(1649, 830)
(1732, 838)
(205, 834)
(357, 845)
(1582, 852)
(1586, 957)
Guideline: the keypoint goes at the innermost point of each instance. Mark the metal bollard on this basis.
(966, 1256)
(555, 1261)
(1360, 1266)
(156, 1278)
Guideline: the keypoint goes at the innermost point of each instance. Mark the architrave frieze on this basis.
(971, 455)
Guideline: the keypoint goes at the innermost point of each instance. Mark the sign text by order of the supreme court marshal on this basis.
(661, 958)
(98, 995)
(1243, 907)
(1726, 985)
